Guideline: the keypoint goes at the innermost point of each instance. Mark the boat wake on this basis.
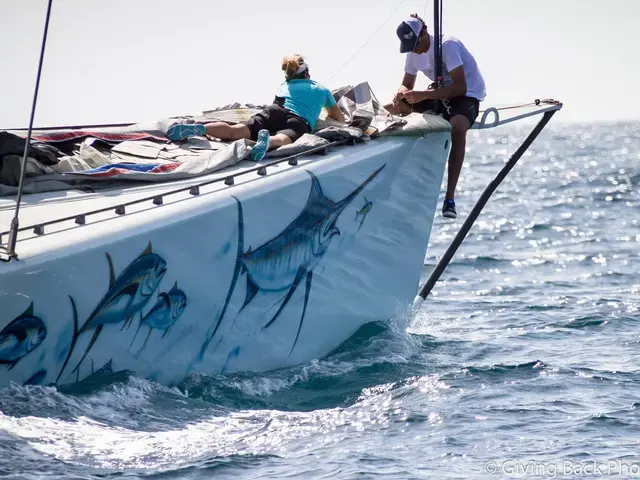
(118, 420)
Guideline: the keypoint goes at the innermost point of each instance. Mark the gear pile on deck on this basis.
(60, 159)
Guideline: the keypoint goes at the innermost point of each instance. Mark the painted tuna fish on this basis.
(283, 262)
(20, 337)
(364, 211)
(126, 297)
(165, 312)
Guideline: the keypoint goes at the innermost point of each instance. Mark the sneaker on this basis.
(180, 131)
(449, 209)
(259, 150)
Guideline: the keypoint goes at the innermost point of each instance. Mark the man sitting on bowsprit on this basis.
(462, 93)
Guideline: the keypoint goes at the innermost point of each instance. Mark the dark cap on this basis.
(409, 34)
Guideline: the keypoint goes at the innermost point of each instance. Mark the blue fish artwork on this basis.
(288, 259)
(167, 310)
(364, 211)
(125, 298)
(36, 378)
(20, 337)
(106, 368)
(232, 354)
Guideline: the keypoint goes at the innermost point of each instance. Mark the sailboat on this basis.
(124, 250)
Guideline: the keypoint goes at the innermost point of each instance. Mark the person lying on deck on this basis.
(296, 107)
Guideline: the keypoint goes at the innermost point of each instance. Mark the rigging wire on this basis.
(367, 42)
(477, 210)
(15, 223)
(437, 50)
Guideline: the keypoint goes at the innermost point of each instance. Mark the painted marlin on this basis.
(125, 298)
(20, 337)
(36, 378)
(283, 262)
(364, 211)
(165, 312)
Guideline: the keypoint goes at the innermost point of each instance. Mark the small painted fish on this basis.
(364, 211)
(20, 337)
(167, 310)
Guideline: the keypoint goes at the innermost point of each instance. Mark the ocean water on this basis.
(524, 361)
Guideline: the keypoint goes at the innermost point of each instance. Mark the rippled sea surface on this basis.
(524, 361)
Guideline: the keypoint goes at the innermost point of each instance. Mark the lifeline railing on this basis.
(553, 105)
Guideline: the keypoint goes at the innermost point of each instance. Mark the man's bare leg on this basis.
(459, 127)
(224, 131)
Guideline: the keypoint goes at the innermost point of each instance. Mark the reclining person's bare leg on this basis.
(224, 131)
(278, 140)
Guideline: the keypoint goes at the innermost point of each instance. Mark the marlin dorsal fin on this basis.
(112, 275)
(316, 188)
(29, 311)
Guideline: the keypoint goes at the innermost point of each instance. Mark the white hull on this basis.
(368, 272)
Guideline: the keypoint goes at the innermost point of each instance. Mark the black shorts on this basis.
(277, 119)
(465, 106)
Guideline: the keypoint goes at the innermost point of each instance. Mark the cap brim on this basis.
(405, 48)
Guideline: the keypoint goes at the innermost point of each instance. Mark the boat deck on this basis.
(94, 201)
(45, 212)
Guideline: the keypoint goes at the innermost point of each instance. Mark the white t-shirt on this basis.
(454, 54)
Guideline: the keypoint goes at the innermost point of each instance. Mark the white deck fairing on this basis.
(272, 271)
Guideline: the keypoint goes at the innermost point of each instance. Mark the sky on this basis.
(139, 60)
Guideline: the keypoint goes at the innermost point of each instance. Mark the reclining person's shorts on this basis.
(277, 120)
